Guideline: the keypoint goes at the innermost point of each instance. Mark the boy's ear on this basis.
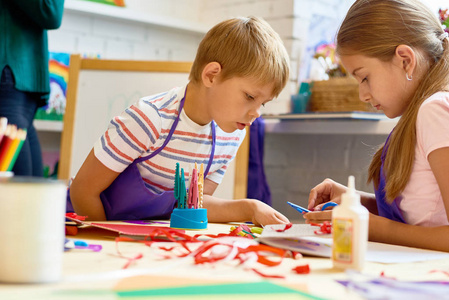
(407, 58)
(210, 73)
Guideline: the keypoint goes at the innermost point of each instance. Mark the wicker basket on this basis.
(337, 94)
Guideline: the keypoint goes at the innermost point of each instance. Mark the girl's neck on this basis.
(195, 105)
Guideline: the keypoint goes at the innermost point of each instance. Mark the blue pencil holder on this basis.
(184, 218)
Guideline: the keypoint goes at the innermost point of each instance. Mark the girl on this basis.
(398, 52)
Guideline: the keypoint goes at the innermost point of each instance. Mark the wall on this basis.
(434, 5)
(112, 38)
(295, 163)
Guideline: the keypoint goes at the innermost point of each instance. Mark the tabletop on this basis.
(101, 275)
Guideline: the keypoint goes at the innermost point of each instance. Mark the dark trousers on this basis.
(20, 107)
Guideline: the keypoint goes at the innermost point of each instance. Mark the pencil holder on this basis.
(189, 218)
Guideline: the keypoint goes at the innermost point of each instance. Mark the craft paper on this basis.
(126, 229)
(387, 288)
(239, 290)
(301, 238)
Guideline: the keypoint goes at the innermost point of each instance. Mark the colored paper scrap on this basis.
(388, 288)
(246, 288)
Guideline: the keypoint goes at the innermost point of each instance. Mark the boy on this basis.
(240, 65)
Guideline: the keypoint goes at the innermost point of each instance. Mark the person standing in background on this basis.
(24, 84)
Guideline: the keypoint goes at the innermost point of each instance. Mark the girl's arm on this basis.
(92, 178)
(239, 210)
(439, 163)
(391, 232)
(435, 238)
(369, 201)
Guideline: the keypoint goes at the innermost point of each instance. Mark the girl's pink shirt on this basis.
(422, 203)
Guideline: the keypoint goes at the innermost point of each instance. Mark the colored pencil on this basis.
(10, 152)
(9, 136)
(6, 148)
(200, 186)
(193, 190)
(21, 140)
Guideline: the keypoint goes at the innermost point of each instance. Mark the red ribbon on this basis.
(287, 226)
(75, 216)
(304, 269)
(325, 228)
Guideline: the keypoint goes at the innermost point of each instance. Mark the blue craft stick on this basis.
(182, 190)
(298, 208)
(176, 189)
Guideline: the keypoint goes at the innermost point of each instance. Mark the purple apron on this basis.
(258, 187)
(127, 198)
(390, 211)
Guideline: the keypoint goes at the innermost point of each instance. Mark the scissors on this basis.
(305, 210)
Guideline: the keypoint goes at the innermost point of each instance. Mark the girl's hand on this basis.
(264, 214)
(318, 216)
(326, 191)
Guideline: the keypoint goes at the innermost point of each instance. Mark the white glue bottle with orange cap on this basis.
(349, 230)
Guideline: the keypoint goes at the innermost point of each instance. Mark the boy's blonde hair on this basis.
(244, 47)
(375, 28)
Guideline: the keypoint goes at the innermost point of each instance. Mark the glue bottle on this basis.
(349, 230)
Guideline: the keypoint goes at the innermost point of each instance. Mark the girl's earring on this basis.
(408, 78)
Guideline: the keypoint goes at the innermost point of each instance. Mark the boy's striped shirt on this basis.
(143, 127)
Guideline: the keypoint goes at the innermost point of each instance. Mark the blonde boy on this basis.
(241, 64)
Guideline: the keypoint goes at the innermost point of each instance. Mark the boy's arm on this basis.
(92, 178)
(239, 210)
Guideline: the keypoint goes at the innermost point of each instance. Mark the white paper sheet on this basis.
(301, 238)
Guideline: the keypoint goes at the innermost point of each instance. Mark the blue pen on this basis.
(305, 210)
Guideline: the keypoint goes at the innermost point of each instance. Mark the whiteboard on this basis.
(98, 90)
(106, 94)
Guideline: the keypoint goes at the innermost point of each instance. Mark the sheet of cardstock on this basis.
(302, 238)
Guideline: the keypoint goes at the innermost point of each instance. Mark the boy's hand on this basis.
(263, 214)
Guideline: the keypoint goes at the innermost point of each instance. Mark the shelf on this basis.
(124, 13)
(299, 124)
(330, 123)
(44, 125)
